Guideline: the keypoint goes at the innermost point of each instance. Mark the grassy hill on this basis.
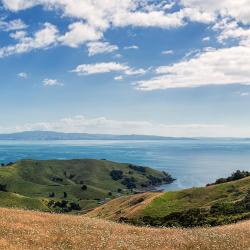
(71, 185)
(35, 230)
(213, 205)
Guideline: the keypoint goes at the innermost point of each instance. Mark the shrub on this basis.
(237, 175)
(137, 168)
(129, 182)
(116, 175)
(84, 187)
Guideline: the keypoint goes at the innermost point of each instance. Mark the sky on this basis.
(173, 68)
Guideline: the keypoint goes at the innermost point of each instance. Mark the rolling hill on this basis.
(71, 185)
(213, 205)
(29, 230)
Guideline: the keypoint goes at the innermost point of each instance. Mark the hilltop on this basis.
(72, 185)
(213, 205)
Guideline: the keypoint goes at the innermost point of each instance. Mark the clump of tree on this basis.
(84, 187)
(234, 176)
(129, 182)
(168, 178)
(116, 174)
(137, 168)
(154, 181)
(63, 206)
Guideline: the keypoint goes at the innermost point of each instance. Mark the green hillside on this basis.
(71, 185)
(213, 205)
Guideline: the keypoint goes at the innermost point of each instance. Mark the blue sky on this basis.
(174, 68)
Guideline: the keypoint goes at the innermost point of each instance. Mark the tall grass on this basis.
(34, 230)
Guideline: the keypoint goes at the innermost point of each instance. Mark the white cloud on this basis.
(131, 47)
(211, 67)
(51, 82)
(206, 39)
(42, 39)
(12, 25)
(80, 33)
(18, 35)
(23, 75)
(168, 52)
(98, 68)
(100, 48)
(16, 5)
(239, 9)
(83, 124)
(102, 14)
(118, 78)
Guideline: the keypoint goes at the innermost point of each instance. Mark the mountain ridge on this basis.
(52, 135)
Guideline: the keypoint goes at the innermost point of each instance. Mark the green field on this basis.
(38, 185)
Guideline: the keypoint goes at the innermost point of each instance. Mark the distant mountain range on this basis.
(50, 135)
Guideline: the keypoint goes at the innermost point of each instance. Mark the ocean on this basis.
(193, 163)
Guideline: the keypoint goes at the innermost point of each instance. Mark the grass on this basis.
(29, 182)
(35, 230)
(190, 207)
(203, 197)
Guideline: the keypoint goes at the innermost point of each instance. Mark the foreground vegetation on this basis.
(71, 185)
(35, 230)
(219, 204)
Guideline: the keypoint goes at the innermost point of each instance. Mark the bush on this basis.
(137, 168)
(234, 176)
(116, 175)
(84, 187)
(63, 206)
(129, 182)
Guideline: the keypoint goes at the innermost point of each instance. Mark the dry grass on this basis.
(124, 206)
(35, 230)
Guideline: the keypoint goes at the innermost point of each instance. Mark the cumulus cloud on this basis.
(96, 17)
(107, 67)
(102, 14)
(51, 82)
(43, 38)
(16, 24)
(212, 67)
(95, 48)
(239, 9)
(80, 33)
(84, 124)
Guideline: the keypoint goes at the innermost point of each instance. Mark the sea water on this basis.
(193, 162)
